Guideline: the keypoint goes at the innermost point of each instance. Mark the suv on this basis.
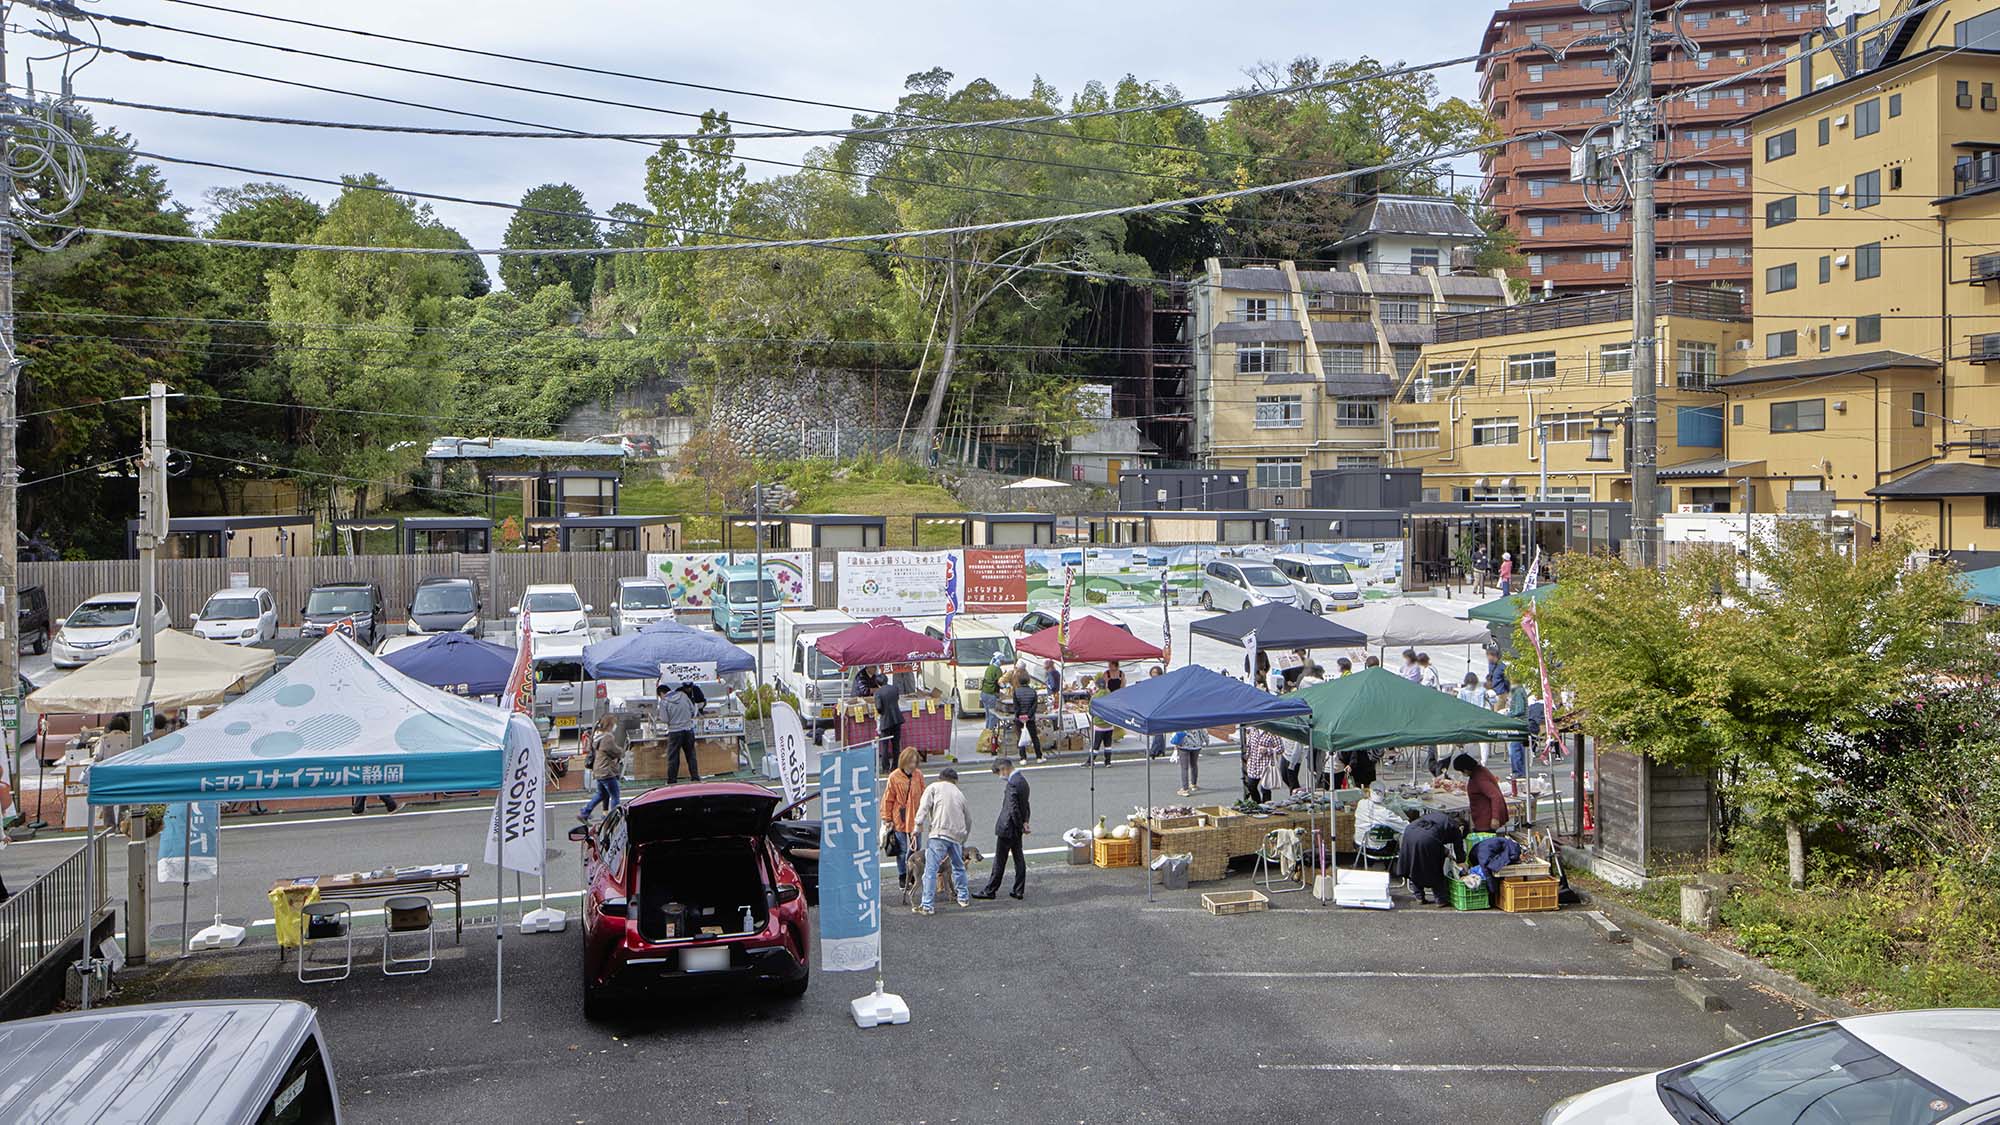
(354, 608)
(685, 888)
(32, 626)
(639, 602)
(1241, 583)
(102, 625)
(444, 604)
(1321, 583)
(556, 609)
(245, 615)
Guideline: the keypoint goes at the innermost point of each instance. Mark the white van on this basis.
(1322, 583)
(814, 680)
(566, 699)
(1233, 584)
(973, 644)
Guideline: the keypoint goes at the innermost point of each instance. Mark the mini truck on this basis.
(746, 603)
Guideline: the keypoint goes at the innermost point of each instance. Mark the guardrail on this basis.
(46, 915)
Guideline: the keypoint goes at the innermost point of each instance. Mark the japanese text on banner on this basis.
(850, 899)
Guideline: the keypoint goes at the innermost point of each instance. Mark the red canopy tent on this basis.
(1092, 640)
(884, 640)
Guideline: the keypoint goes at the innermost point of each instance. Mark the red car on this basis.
(685, 891)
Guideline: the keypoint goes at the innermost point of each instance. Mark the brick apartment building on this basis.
(1706, 205)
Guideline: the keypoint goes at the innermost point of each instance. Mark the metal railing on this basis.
(1597, 308)
(1973, 173)
(47, 915)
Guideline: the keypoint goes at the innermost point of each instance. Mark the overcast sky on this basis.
(848, 52)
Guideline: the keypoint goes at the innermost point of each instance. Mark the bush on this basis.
(756, 706)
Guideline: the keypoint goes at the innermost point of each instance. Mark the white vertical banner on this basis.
(518, 835)
(788, 738)
(188, 842)
(1250, 655)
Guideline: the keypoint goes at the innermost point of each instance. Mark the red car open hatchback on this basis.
(685, 891)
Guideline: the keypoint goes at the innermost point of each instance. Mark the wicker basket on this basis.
(1527, 896)
(1110, 852)
(1172, 823)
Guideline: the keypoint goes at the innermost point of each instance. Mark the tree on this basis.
(552, 215)
(692, 190)
(522, 360)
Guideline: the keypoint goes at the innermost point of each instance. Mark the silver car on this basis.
(1232, 584)
(638, 602)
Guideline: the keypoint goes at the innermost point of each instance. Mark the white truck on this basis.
(804, 673)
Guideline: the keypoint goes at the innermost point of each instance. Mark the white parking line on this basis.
(1461, 1068)
(1368, 974)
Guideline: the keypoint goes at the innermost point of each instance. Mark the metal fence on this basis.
(48, 914)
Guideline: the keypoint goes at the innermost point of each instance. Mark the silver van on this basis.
(219, 1062)
(566, 699)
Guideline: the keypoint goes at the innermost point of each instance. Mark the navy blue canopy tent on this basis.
(456, 662)
(1279, 628)
(638, 656)
(1192, 697)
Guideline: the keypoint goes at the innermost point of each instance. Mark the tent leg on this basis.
(499, 937)
(1147, 827)
(187, 861)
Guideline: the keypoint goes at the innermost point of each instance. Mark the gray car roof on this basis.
(212, 1062)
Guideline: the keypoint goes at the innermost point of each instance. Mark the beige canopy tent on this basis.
(188, 672)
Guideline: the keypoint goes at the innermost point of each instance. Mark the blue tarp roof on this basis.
(638, 656)
(1279, 627)
(1191, 697)
(1983, 586)
(456, 662)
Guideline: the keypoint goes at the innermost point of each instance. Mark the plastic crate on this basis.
(1468, 898)
(1115, 853)
(1526, 896)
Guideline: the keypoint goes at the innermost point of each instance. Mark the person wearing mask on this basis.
(608, 744)
(1506, 573)
(1008, 831)
(888, 722)
(944, 825)
(1427, 675)
(1261, 750)
(676, 713)
(1488, 806)
(1427, 842)
(1101, 730)
(1344, 666)
(1156, 746)
(1026, 702)
(1188, 745)
(1113, 677)
(899, 812)
(989, 692)
(1473, 692)
(1412, 671)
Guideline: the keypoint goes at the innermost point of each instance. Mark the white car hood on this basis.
(567, 622)
(226, 630)
(1634, 1101)
(95, 634)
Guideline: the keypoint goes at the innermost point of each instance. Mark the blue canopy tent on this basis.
(336, 722)
(1191, 697)
(457, 662)
(1278, 627)
(638, 656)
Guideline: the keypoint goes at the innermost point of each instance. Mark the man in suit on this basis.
(1012, 825)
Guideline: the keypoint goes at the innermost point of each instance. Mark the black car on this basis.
(445, 604)
(354, 608)
(32, 628)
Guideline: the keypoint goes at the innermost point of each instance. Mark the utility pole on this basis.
(767, 612)
(1638, 121)
(10, 453)
(152, 526)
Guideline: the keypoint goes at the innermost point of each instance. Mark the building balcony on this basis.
(1598, 308)
(1694, 193)
(1574, 236)
(1516, 160)
(1521, 120)
(1597, 275)
(1696, 230)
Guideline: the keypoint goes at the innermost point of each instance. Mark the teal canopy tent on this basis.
(1378, 710)
(1507, 610)
(1983, 586)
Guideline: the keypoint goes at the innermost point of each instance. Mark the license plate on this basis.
(713, 960)
(565, 720)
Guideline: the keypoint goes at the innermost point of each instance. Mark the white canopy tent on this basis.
(189, 672)
(1409, 625)
(1036, 482)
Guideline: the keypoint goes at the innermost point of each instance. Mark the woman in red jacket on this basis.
(1482, 791)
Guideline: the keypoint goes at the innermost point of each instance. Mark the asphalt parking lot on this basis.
(1083, 1003)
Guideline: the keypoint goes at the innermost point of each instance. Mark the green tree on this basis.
(692, 190)
(522, 361)
(552, 215)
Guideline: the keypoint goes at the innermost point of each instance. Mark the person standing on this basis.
(989, 693)
(677, 715)
(945, 826)
(1506, 573)
(1482, 563)
(888, 723)
(1517, 751)
(1427, 675)
(1156, 746)
(608, 745)
(1260, 756)
(1113, 677)
(1026, 702)
(1100, 729)
(1188, 745)
(1412, 671)
(1473, 692)
(1487, 806)
(899, 811)
(1345, 666)
(1008, 831)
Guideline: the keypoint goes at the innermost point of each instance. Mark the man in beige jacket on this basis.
(944, 826)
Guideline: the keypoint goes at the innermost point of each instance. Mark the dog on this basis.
(913, 880)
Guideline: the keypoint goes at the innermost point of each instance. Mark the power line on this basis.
(72, 472)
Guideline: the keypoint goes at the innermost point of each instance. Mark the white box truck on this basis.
(804, 673)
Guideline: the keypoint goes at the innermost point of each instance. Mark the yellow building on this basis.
(1878, 298)
(1501, 389)
(1293, 368)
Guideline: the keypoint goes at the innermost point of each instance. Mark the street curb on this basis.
(1658, 956)
(1700, 995)
(1611, 931)
(1728, 959)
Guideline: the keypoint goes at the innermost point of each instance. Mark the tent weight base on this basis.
(545, 920)
(221, 935)
(878, 1008)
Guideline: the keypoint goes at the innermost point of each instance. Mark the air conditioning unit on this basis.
(1840, 330)
(1840, 191)
(1840, 261)
(1986, 267)
(1742, 345)
(1985, 348)
(1840, 121)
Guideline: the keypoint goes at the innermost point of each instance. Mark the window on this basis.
(1357, 461)
(1868, 329)
(1421, 256)
(1345, 359)
(1577, 493)
(1867, 189)
(1825, 130)
(1867, 117)
(1825, 268)
(1280, 412)
(1736, 415)
(1450, 373)
(1698, 427)
(1896, 178)
(1573, 426)
(1278, 472)
(1825, 337)
(1803, 416)
(1496, 431)
(1777, 279)
(1777, 146)
(1414, 435)
(1357, 412)
(1981, 31)
(1895, 105)
(1253, 308)
(1918, 415)
(1695, 364)
(1992, 510)
(1615, 359)
(1965, 95)
(1778, 212)
(1986, 96)
(1526, 366)
(1401, 312)
(1777, 345)
(1868, 261)
(1405, 356)
(1252, 359)
(1825, 200)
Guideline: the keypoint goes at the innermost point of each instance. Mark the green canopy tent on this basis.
(1376, 709)
(1983, 586)
(1507, 610)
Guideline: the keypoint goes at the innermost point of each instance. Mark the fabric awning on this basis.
(1376, 709)
(1192, 697)
(188, 672)
(638, 656)
(1406, 623)
(884, 640)
(1507, 610)
(1278, 627)
(1092, 640)
(456, 662)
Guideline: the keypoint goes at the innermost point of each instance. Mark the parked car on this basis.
(746, 603)
(1935, 1067)
(685, 891)
(26, 732)
(1240, 584)
(354, 608)
(444, 604)
(555, 609)
(634, 445)
(1036, 620)
(219, 1062)
(243, 616)
(565, 698)
(31, 627)
(1321, 583)
(103, 624)
(638, 603)
(973, 643)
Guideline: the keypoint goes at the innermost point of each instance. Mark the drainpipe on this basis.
(1875, 405)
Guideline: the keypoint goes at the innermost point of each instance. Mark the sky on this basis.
(853, 52)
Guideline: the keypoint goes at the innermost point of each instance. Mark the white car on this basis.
(1936, 1067)
(640, 602)
(1232, 584)
(1321, 583)
(243, 616)
(103, 624)
(555, 610)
